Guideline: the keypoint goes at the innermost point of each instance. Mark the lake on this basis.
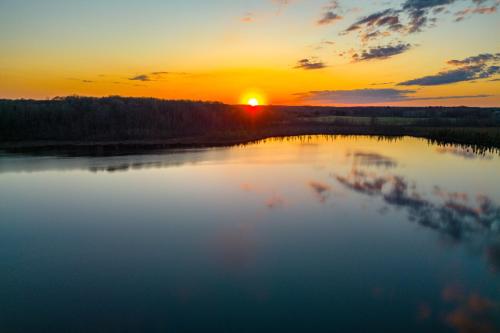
(304, 234)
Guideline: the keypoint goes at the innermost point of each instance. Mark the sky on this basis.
(293, 52)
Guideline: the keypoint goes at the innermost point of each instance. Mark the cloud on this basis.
(388, 18)
(142, 77)
(310, 64)
(447, 77)
(358, 96)
(330, 14)
(381, 52)
(472, 68)
(329, 18)
(371, 96)
(323, 44)
(381, 83)
(478, 9)
(248, 18)
(476, 60)
(282, 4)
(154, 76)
(414, 16)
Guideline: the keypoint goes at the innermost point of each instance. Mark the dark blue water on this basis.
(303, 235)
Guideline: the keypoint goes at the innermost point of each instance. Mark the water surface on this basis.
(307, 234)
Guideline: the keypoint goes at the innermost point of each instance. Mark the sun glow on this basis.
(253, 99)
(253, 102)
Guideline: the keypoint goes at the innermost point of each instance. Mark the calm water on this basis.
(301, 235)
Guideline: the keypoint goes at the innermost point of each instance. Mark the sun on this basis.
(253, 98)
(253, 102)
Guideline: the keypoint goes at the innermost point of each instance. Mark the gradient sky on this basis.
(408, 52)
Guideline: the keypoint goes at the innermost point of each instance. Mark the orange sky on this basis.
(283, 52)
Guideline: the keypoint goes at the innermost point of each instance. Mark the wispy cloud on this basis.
(310, 64)
(481, 7)
(248, 17)
(414, 16)
(381, 52)
(371, 96)
(323, 44)
(142, 77)
(476, 60)
(472, 68)
(154, 76)
(282, 4)
(330, 14)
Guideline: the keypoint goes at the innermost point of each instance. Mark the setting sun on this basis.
(253, 102)
(253, 98)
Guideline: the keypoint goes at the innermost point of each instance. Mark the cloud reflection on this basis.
(458, 215)
(321, 190)
(373, 159)
(275, 201)
(455, 214)
(471, 312)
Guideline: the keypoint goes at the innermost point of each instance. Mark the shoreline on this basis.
(215, 141)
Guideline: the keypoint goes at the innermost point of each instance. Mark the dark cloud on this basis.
(371, 96)
(371, 26)
(310, 64)
(413, 16)
(447, 77)
(358, 96)
(476, 60)
(472, 68)
(381, 52)
(425, 4)
(371, 20)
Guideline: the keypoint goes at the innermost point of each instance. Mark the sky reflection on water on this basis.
(298, 235)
